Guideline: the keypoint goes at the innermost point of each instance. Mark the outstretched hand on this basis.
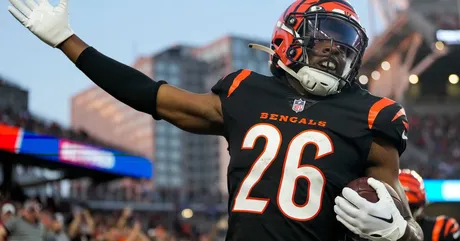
(49, 23)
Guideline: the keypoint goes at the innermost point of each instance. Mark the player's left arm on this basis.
(382, 220)
(390, 130)
(384, 158)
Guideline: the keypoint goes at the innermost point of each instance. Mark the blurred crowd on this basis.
(438, 135)
(78, 222)
(33, 220)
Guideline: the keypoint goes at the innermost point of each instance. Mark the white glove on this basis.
(380, 221)
(48, 23)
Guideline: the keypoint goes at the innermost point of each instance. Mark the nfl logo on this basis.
(298, 105)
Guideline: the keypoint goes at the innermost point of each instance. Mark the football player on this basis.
(296, 138)
(440, 228)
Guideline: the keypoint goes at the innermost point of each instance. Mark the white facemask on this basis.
(315, 81)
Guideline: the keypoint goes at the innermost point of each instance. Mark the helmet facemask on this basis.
(326, 50)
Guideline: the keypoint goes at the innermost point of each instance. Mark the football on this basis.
(366, 191)
(361, 186)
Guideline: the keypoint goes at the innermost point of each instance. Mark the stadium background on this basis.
(114, 158)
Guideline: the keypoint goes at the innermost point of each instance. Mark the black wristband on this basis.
(154, 109)
(124, 83)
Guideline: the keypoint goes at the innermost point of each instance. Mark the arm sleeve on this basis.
(392, 124)
(121, 81)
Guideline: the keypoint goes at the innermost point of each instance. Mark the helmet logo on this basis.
(316, 8)
(346, 13)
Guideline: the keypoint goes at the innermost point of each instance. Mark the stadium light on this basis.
(385, 65)
(363, 79)
(439, 45)
(453, 79)
(413, 79)
(187, 213)
(375, 75)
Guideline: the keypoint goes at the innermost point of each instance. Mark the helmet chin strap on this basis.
(312, 80)
(418, 212)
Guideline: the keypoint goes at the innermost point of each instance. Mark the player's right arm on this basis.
(198, 113)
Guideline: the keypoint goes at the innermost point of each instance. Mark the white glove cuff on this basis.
(62, 36)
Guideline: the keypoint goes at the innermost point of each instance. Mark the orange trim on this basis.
(437, 228)
(406, 125)
(455, 228)
(451, 223)
(400, 113)
(376, 108)
(238, 79)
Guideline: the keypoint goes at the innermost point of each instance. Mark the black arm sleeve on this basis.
(121, 81)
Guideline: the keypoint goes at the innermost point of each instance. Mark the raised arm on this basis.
(197, 113)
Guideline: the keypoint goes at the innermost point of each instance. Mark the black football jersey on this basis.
(292, 155)
(440, 228)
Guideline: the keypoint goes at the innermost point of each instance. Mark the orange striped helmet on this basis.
(413, 186)
(306, 23)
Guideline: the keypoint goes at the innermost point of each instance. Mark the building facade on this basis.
(13, 97)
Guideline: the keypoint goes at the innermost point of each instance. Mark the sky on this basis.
(125, 30)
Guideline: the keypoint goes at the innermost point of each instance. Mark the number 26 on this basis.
(292, 170)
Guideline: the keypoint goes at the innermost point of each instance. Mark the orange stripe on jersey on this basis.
(435, 235)
(376, 108)
(400, 113)
(406, 125)
(455, 228)
(450, 227)
(238, 79)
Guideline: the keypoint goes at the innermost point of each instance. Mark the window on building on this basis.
(176, 181)
(161, 142)
(174, 69)
(161, 180)
(160, 129)
(160, 67)
(239, 48)
(174, 142)
(161, 153)
(174, 79)
(173, 169)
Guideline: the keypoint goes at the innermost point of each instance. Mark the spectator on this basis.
(82, 226)
(59, 229)
(25, 227)
(437, 135)
(8, 211)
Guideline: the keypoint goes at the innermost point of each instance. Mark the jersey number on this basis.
(292, 170)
